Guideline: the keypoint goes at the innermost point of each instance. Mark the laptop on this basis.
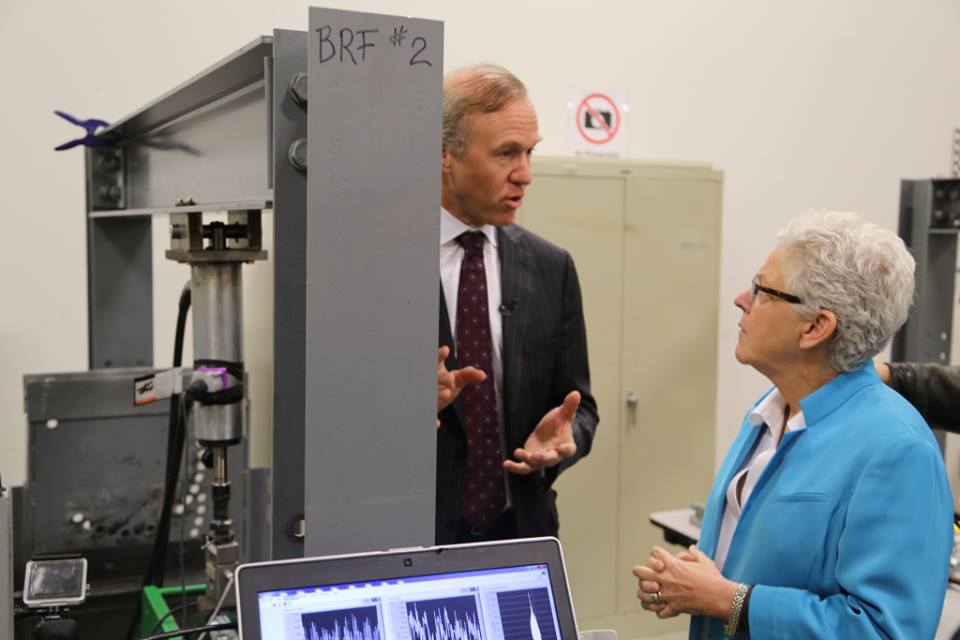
(510, 590)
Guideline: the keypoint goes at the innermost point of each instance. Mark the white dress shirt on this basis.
(768, 415)
(451, 255)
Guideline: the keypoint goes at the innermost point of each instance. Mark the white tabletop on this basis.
(677, 520)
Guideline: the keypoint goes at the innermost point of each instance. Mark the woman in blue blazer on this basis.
(831, 515)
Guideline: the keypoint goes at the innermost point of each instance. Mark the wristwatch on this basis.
(738, 619)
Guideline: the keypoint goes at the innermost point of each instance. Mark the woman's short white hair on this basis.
(858, 270)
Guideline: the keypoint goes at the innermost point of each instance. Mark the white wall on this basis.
(801, 104)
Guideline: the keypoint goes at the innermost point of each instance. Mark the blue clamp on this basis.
(89, 140)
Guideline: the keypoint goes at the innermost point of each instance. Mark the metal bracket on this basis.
(240, 240)
(107, 179)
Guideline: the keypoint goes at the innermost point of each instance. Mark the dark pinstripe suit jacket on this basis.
(544, 358)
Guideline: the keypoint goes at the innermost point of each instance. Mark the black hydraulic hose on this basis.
(175, 442)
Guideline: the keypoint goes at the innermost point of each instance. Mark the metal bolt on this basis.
(298, 89)
(298, 154)
(112, 193)
(297, 528)
(108, 162)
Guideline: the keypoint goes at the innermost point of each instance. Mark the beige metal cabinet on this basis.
(646, 241)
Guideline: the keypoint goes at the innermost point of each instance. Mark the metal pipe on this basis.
(218, 335)
(221, 491)
(219, 465)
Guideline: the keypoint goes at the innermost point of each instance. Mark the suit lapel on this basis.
(517, 305)
(710, 531)
(446, 337)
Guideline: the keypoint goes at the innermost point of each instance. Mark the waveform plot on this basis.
(359, 623)
(444, 619)
(526, 614)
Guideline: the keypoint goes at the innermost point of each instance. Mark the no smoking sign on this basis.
(598, 124)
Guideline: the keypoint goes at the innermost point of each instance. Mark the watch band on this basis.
(732, 624)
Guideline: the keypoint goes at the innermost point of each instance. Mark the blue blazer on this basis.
(848, 532)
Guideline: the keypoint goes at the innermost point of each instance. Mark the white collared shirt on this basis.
(767, 415)
(451, 255)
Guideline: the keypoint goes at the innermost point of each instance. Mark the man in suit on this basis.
(511, 308)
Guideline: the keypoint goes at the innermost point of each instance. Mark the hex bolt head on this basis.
(297, 528)
(108, 162)
(111, 193)
(298, 89)
(298, 154)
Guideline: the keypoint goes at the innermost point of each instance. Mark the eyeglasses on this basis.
(756, 286)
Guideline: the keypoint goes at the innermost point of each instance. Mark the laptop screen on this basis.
(508, 603)
(492, 591)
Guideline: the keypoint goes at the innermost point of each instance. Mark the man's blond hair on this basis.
(482, 88)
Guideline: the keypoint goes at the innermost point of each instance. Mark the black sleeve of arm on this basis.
(933, 389)
(572, 370)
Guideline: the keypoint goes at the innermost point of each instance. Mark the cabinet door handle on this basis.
(631, 399)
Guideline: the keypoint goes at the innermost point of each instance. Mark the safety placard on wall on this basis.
(598, 124)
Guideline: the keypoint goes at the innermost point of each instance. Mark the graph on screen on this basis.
(454, 618)
(526, 614)
(358, 623)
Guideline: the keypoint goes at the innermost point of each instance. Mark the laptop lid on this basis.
(508, 590)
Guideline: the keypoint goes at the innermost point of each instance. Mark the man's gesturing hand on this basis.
(551, 440)
(451, 383)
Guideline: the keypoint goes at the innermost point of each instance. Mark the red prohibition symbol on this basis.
(598, 119)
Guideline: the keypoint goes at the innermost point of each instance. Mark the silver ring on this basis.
(656, 598)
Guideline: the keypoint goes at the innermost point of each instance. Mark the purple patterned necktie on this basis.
(483, 490)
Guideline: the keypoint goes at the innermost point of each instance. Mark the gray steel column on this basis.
(289, 298)
(372, 243)
(929, 223)
(6, 563)
(120, 292)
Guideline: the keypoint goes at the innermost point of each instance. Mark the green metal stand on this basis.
(157, 616)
